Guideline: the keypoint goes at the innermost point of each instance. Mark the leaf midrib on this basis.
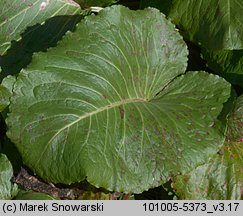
(89, 114)
(99, 110)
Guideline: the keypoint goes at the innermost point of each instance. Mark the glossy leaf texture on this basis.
(215, 24)
(7, 188)
(222, 177)
(16, 16)
(111, 103)
(226, 63)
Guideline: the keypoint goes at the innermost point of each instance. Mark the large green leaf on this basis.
(7, 188)
(16, 15)
(227, 63)
(216, 24)
(222, 176)
(108, 103)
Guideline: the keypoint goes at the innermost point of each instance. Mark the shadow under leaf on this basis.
(35, 39)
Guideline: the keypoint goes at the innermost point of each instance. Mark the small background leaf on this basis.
(16, 15)
(6, 88)
(31, 195)
(227, 63)
(35, 39)
(214, 24)
(7, 188)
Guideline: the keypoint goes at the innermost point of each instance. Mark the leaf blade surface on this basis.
(109, 106)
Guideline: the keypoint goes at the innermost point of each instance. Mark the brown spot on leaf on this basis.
(122, 111)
